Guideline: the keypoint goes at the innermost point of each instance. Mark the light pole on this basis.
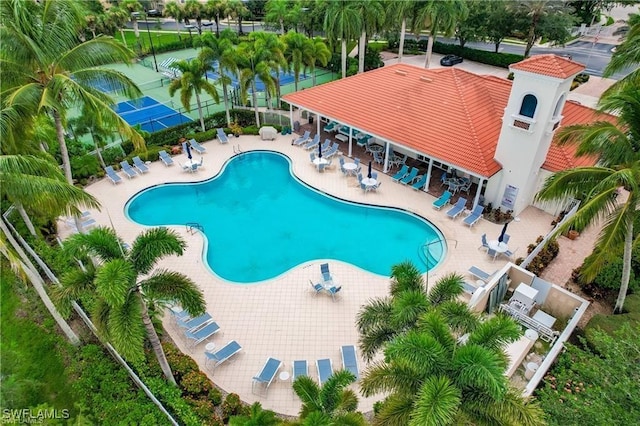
(146, 21)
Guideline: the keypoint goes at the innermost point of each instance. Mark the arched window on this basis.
(528, 107)
(557, 110)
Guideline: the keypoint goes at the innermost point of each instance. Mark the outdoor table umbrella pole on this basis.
(504, 230)
(319, 151)
(369, 174)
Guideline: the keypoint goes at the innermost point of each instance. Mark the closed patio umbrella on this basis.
(504, 231)
(319, 151)
(369, 174)
(188, 151)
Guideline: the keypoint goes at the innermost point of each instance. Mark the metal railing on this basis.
(545, 332)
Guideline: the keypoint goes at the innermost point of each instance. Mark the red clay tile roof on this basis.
(551, 65)
(448, 114)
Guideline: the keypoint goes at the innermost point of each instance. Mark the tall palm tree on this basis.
(618, 148)
(133, 7)
(329, 404)
(342, 22)
(174, 10)
(434, 377)
(49, 72)
(237, 10)
(122, 296)
(100, 132)
(221, 50)
(297, 53)
(193, 9)
(318, 53)
(400, 11)
(192, 82)
(119, 17)
(381, 320)
(626, 55)
(372, 17)
(277, 11)
(439, 17)
(216, 10)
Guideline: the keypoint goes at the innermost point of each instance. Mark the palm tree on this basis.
(342, 22)
(259, 57)
(122, 298)
(331, 404)
(49, 72)
(119, 17)
(191, 82)
(318, 53)
(381, 320)
(193, 9)
(372, 17)
(216, 10)
(626, 55)
(439, 17)
(297, 53)
(174, 10)
(237, 10)
(400, 10)
(618, 148)
(221, 50)
(133, 7)
(255, 417)
(435, 377)
(100, 132)
(277, 11)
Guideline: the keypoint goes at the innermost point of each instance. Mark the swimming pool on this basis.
(260, 221)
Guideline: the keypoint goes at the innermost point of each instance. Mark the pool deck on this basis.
(282, 317)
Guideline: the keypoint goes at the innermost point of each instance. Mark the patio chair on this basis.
(480, 274)
(222, 355)
(349, 360)
(85, 224)
(485, 244)
(374, 187)
(197, 147)
(313, 143)
(324, 270)
(410, 177)
(374, 175)
(266, 375)
(194, 323)
(333, 291)
(325, 145)
(356, 160)
(444, 178)
(201, 334)
(128, 170)
(474, 216)
(165, 158)
(112, 175)
(331, 127)
(300, 368)
(222, 137)
(505, 238)
(302, 139)
(492, 253)
(363, 186)
(325, 370)
(139, 164)
(399, 161)
(333, 151)
(442, 201)
(377, 157)
(321, 167)
(316, 287)
(420, 183)
(184, 167)
(457, 208)
(401, 173)
(510, 254)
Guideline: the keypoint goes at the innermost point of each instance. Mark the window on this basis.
(558, 109)
(528, 107)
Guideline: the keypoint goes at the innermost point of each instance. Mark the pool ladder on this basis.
(192, 227)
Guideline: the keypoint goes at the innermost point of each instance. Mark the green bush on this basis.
(151, 154)
(84, 166)
(543, 258)
(202, 407)
(113, 155)
(232, 406)
(180, 364)
(610, 277)
(171, 398)
(215, 396)
(196, 383)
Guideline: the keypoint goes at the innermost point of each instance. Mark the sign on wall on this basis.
(509, 197)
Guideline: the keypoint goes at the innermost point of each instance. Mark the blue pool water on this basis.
(260, 221)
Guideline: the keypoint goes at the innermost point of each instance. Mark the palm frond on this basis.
(126, 331)
(437, 403)
(114, 281)
(383, 377)
(171, 285)
(421, 351)
(405, 276)
(407, 308)
(74, 283)
(479, 368)
(375, 312)
(154, 244)
(448, 288)
(101, 242)
(511, 409)
(375, 338)
(332, 389)
(395, 411)
(433, 324)
(308, 391)
(496, 332)
(459, 317)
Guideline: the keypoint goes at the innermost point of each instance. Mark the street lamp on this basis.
(153, 50)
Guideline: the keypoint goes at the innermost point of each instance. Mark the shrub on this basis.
(172, 399)
(215, 396)
(543, 258)
(113, 155)
(84, 166)
(202, 407)
(610, 277)
(196, 383)
(151, 154)
(232, 406)
(180, 364)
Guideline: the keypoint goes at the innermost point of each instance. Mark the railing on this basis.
(545, 332)
(192, 227)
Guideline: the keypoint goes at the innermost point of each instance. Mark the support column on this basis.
(291, 116)
(477, 197)
(350, 146)
(385, 169)
(426, 185)
(318, 123)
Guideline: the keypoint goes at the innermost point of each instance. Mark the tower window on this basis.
(528, 107)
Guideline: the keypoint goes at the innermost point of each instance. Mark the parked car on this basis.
(450, 60)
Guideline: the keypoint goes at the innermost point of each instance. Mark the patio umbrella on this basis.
(504, 231)
(319, 150)
(369, 174)
(188, 151)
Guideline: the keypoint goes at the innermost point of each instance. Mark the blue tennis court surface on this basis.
(285, 78)
(150, 114)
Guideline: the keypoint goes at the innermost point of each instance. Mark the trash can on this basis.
(310, 119)
(296, 126)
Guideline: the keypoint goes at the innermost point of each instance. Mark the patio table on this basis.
(497, 246)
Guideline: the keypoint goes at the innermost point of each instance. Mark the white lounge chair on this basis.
(197, 147)
(215, 359)
(166, 159)
(222, 137)
(139, 164)
(266, 375)
(112, 175)
(128, 170)
(474, 216)
(349, 360)
(325, 370)
(194, 337)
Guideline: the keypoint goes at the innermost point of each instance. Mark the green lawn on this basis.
(32, 354)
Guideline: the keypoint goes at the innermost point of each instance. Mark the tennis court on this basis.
(150, 114)
(285, 78)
